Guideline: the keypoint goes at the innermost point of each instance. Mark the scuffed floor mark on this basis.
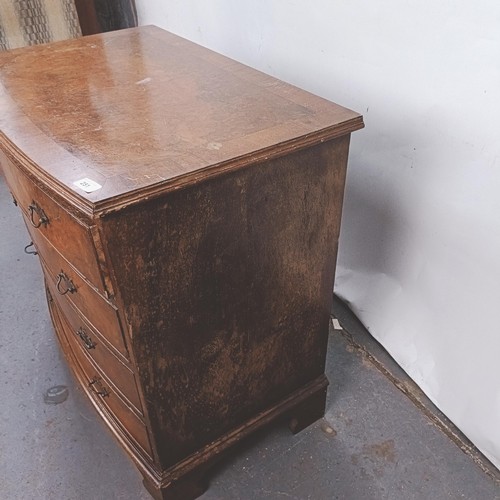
(418, 398)
(384, 450)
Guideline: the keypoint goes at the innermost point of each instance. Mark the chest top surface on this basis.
(143, 110)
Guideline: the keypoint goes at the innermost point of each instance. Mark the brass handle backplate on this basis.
(96, 385)
(64, 284)
(84, 336)
(41, 216)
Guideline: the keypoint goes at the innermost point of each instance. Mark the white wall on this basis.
(420, 246)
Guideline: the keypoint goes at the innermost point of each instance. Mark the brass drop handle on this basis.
(96, 385)
(30, 252)
(84, 336)
(68, 284)
(42, 218)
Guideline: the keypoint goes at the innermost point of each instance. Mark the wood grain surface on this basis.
(141, 110)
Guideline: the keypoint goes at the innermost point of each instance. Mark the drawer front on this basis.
(102, 392)
(67, 282)
(43, 215)
(91, 343)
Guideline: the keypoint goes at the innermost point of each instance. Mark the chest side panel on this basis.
(227, 288)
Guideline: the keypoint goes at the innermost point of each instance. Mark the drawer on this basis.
(91, 343)
(66, 233)
(101, 391)
(94, 346)
(68, 283)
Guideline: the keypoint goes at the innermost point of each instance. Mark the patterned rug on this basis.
(30, 22)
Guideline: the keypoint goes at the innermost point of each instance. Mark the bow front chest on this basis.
(186, 212)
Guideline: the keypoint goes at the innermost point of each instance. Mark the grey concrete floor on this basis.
(382, 446)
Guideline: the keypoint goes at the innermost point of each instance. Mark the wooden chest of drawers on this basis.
(186, 212)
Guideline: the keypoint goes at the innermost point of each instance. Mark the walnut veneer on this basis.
(191, 290)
